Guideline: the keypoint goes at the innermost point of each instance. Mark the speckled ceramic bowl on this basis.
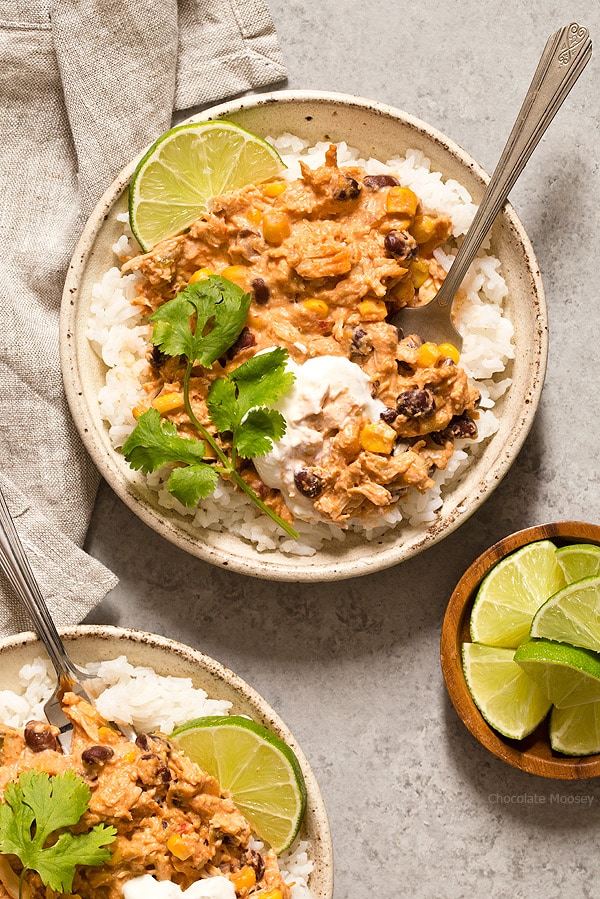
(534, 753)
(376, 130)
(88, 643)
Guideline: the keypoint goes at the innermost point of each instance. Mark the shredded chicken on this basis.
(327, 258)
(172, 819)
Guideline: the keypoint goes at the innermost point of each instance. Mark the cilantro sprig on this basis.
(36, 809)
(200, 324)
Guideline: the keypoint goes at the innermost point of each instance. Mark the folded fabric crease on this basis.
(87, 84)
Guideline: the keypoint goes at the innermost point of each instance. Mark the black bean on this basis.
(245, 340)
(416, 402)
(164, 774)
(157, 357)
(308, 483)
(462, 426)
(376, 182)
(350, 191)
(95, 754)
(438, 437)
(401, 245)
(361, 344)
(389, 415)
(39, 736)
(255, 860)
(143, 742)
(403, 367)
(261, 291)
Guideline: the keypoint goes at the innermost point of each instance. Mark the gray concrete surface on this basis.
(417, 807)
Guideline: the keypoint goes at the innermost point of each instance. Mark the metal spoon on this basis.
(15, 564)
(566, 54)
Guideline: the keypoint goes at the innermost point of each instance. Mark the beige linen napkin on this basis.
(85, 85)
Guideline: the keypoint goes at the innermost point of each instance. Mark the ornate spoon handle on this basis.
(15, 564)
(562, 62)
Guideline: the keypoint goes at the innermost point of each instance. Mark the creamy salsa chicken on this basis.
(172, 820)
(327, 259)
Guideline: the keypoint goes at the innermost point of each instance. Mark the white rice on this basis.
(119, 335)
(147, 701)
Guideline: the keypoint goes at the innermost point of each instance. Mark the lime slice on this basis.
(572, 615)
(512, 592)
(578, 561)
(186, 167)
(506, 697)
(258, 770)
(576, 731)
(566, 674)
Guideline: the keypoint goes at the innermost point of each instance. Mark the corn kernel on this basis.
(372, 310)
(254, 216)
(404, 291)
(243, 879)
(276, 226)
(167, 402)
(274, 188)
(178, 847)
(107, 734)
(378, 437)
(428, 354)
(235, 273)
(424, 228)
(272, 894)
(130, 756)
(449, 350)
(402, 201)
(200, 275)
(319, 307)
(115, 858)
(419, 272)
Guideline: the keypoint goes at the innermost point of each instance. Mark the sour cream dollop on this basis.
(146, 887)
(327, 391)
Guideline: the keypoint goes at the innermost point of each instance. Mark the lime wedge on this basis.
(186, 167)
(258, 770)
(567, 675)
(512, 592)
(572, 615)
(576, 731)
(506, 697)
(579, 560)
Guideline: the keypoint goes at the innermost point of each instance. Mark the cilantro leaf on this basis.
(201, 323)
(193, 483)
(34, 808)
(214, 300)
(260, 381)
(258, 430)
(155, 441)
(56, 864)
(223, 404)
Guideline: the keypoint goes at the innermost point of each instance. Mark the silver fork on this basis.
(15, 564)
(564, 58)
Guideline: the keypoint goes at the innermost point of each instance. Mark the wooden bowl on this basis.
(534, 753)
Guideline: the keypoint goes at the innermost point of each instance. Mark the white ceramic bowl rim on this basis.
(352, 557)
